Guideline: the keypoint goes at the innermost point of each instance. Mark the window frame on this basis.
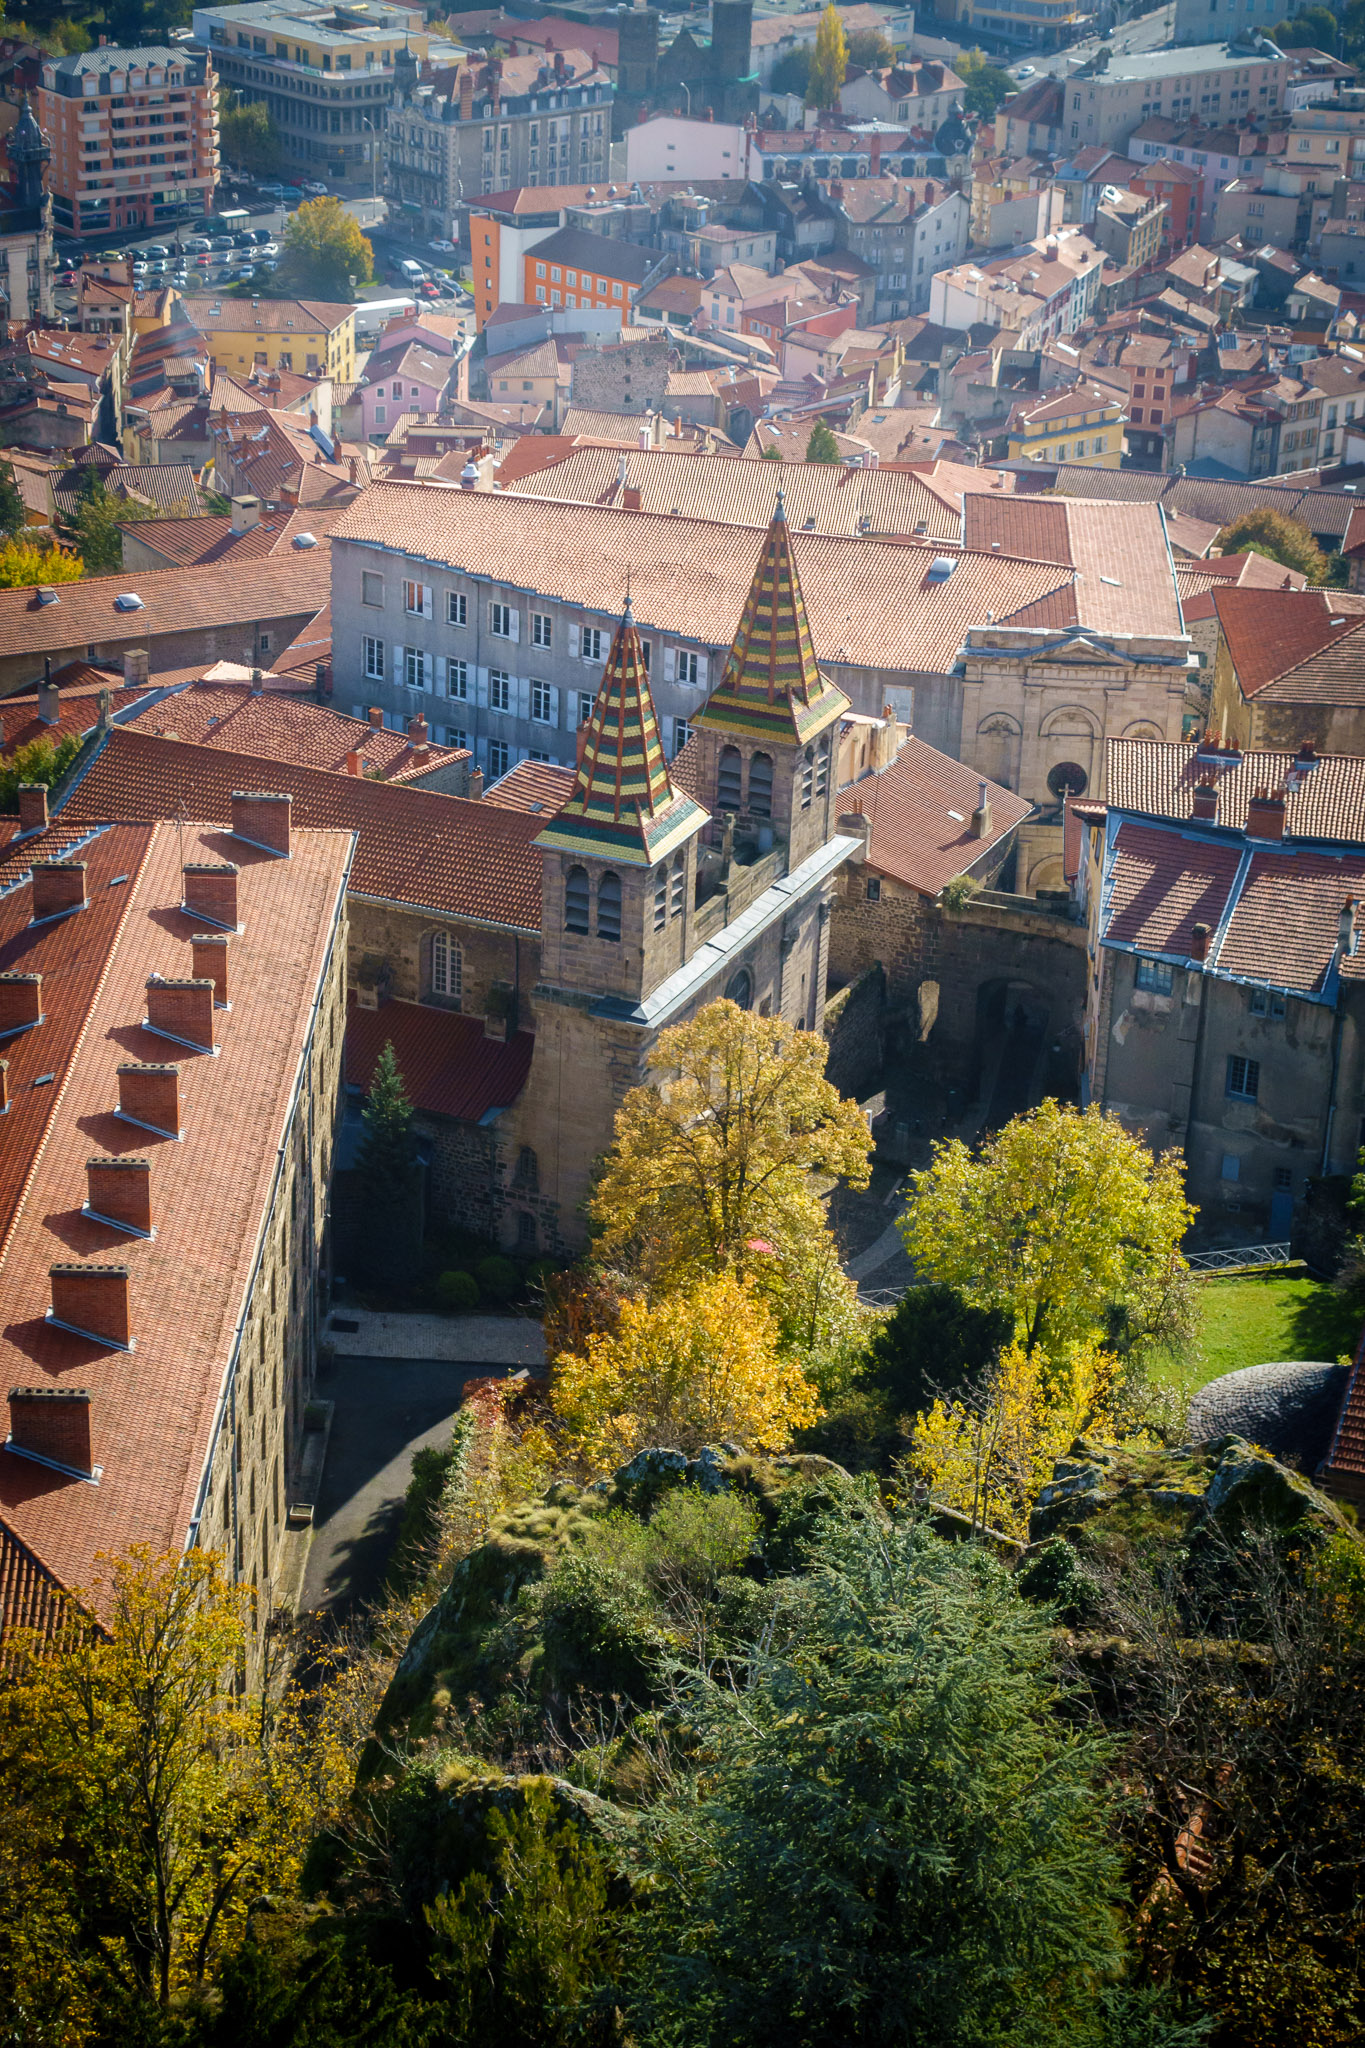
(370, 579)
(372, 653)
(1242, 1082)
(499, 681)
(457, 608)
(1154, 977)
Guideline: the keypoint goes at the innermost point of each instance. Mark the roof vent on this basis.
(128, 601)
(941, 568)
(47, 596)
(305, 540)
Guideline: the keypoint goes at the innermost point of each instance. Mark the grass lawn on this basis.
(1256, 1318)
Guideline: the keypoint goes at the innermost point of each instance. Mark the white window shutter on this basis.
(399, 667)
(515, 617)
(438, 682)
(670, 664)
(573, 643)
(701, 670)
(667, 723)
(554, 707)
(426, 601)
(481, 687)
(358, 711)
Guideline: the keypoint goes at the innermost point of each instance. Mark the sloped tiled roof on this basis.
(920, 811)
(540, 786)
(209, 541)
(167, 484)
(1158, 778)
(1271, 634)
(78, 710)
(278, 726)
(1126, 579)
(173, 601)
(220, 314)
(772, 686)
(454, 855)
(449, 1067)
(1161, 884)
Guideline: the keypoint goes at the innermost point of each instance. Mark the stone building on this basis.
(1287, 668)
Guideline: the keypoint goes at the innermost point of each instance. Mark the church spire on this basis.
(772, 687)
(624, 806)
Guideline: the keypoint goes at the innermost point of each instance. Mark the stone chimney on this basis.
(1205, 804)
(52, 1424)
(1265, 815)
(136, 669)
(981, 816)
(58, 887)
(92, 1301)
(246, 513)
(261, 818)
(209, 891)
(119, 1191)
(856, 824)
(21, 1002)
(182, 1010)
(258, 682)
(32, 806)
(49, 696)
(1199, 942)
(149, 1096)
(376, 717)
(209, 962)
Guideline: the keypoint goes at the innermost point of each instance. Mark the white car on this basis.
(442, 248)
(1025, 71)
(311, 185)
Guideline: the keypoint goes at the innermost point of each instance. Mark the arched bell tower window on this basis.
(807, 777)
(577, 897)
(822, 767)
(740, 988)
(609, 907)
(661, 896)
(761, 785)
(730, 780)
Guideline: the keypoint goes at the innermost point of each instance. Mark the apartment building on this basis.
(1082, 426)
(904, 229)
(1326, 140)
(919, 96)
(311, 336)
(325, 73)
(134, 137)
(492, 126)
(1213, 83)
(1203, 21)
(1046, 291)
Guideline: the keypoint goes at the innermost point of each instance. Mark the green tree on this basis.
(791, 73)
(1315, 28)
(23, 563)
(933, 1344)
(248, 137)
(323, 250)
(772, 455)
(988, 85)
(829, 62)
(895, 1836)
(869, 49)
(1264, 532)
(1061, 1217)
(13, 511)
(93, 528)
(386, 1167)
(39, 761)
(822, 446)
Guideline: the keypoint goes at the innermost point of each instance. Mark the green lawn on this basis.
(1256, 1318)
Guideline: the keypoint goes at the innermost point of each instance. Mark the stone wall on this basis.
(854, 1021)
(631, 376)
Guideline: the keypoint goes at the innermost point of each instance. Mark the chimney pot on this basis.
(209, 962)
(94, 1301)
(257, 682)
(417, 730)
(209, 889)
(1199, 942)
(149, 1095)
(32, 806)
(21, 1002)
(58, 887)
(119, 1191)
(52, 1424)
(261, 817)
(49, 697)
(182, 1010)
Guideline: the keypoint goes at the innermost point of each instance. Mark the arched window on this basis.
(730, 780)
(822, 767)
(576, 900)
(661, 897)
(447, 968)
(807, 777)
(609, 907)
(761, 785)
(679, 884)
(740, 988)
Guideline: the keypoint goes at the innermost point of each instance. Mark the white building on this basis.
(667, 146)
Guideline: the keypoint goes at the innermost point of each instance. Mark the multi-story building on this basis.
(576, 268)
(493, 126)
(1326, 140)
(324, 72)
(1128, 226)
(1213, 82)
(1203, 21)
(1048, 289)
(172, 1081)
(1082, 426)
(1036, 24)
(904, 229)
(134, 137)
(312, 336)
(26, 254)
(917, 96)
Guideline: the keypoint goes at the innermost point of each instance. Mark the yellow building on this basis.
(1082, 426)
(308, 336)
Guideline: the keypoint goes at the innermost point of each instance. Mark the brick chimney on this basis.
(49, 697)
(1205, 800)
(119, 1191)
(92, 1300)
(261, 817)
(32, 806)
(417, 731)
(58, 887)
(209, 962)
(149, 1095)
(376, 717)
(981, 816)
(136, 668)
(1199, 942)
(353, 762)
(52, 1424)
(466, 94)
(182, 1010)
(21, 1002)
(1265, 815)
(209, 890)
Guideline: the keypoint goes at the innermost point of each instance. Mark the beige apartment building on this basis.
(1212, 82)
(134, 136)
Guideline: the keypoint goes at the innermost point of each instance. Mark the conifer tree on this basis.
(390, 1229)
(830, 62)
(822, 446)
(13, 511)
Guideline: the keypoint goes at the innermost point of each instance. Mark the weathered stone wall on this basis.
(853, 1028)
(631, 376)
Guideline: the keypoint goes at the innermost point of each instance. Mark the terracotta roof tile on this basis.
(168, 484)
(920, 810)
(1269, 633)
(276, 726)
(1284, 927)
(449, 1067)
(219, 314)
(1162, 884)
(78, 711)
(174, 600)
(539, 786)
(1158, 778)
(209, 542)
(1125, 575)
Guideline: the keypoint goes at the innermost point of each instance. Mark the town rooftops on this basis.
(283, 725)
(171, 601)
(223, 315)
(152, 1405)
(1125, 580)
(172, 486)
(605, 255)
(450, 1067)
(920, 813)
(1282, 643)
(1324, 795)
(211, 540)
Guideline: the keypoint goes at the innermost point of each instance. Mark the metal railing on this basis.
(1242, 1255)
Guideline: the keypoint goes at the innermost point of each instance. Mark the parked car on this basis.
(193, 245)
(272, 191)
(318, 191)
(1025, 71)
(427, 290)
(268, 249)
(157, 249)
(203, 259)
(442, 248)
(244, 239)
(290, 195)
(260, 236)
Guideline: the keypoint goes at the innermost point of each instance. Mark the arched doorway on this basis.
(1012, 1019)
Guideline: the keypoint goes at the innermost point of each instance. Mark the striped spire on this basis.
(624, 806)
(772, 687)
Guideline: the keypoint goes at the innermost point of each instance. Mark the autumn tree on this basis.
(23, 563)
(13, 511)
(869, 49)
(829, 62)
(714, 1163)
(248, 137)
(1063, 1218)
(1264, 532)
(690, 1369)
(94, 528)
(822, 446)
(322, 251)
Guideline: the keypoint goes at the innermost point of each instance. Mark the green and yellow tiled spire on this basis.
(624, 807)
(772, 687)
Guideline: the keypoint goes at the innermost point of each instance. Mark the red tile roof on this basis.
(453, 855)
(1347, 1454)
(210, 541)
(920, 810)
(1163, 884)
(173, 601)
(449, 1067)
(538, 786)
(1283, 928)
(78, 710)
(1158, 777)
(1125, 575)
(277, 726)
(1269, 632)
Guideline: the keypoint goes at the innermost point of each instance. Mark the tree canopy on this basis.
(322, 250)
(1264, 532)
(23, 563)
(829, 61)
(13, 511)
(988, 85)
(822, 446)
(869, 49)
(249, 138)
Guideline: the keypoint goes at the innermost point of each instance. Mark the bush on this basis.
(497, 1278)
(857, 1431)
(458, 1292)
(934, 1343)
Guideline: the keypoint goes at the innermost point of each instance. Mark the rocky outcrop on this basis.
(1165, 1493)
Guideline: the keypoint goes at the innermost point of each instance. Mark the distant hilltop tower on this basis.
(732, 23)
(29, 154)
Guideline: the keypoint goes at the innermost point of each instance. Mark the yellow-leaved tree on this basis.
(1063, 1218)
(688, 1369)
(23, 563)
(829, 62)
(714, 1164)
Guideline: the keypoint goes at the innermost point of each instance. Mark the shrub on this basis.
(497, 1278)
(934, 1343)
(458, 1292)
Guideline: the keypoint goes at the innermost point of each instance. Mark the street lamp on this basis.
(366, 122)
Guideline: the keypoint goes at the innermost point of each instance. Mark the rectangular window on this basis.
(499, 690)
(497, 757)
(374, 658)
(540, 702)
(687, 666)
(542, 630)
(456, 736)
(682, 733)
(645, 651)
(594, 643)
(371, 589)
(417, 599)
(457, 608)
(381, 417)
(584, 700)
(1266, 1002)
(1156, 975)
(1232, 1166)
(457, 679)
(414, 668)
(874, 888)
(500, 620)
(1244, 1077)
